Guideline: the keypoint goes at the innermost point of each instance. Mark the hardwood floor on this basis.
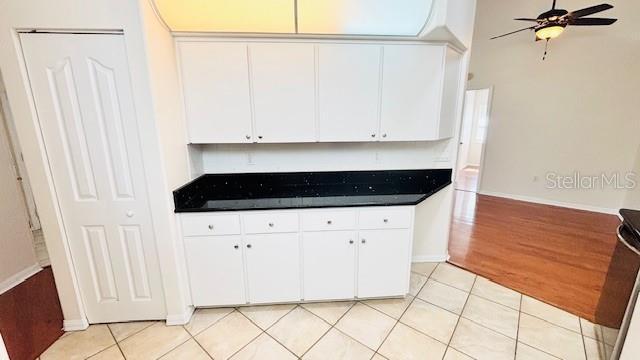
(30, 316)
(557, 255)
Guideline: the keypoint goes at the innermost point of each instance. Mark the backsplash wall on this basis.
(236, 158)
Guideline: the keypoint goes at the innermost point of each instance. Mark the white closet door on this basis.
(412, 81)
(83, 98)
(283, 83)
(349, 89)
(215, 78)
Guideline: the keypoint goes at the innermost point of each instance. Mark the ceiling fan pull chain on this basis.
(546, 47)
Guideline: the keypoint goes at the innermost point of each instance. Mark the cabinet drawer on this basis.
(270, 223)
(385, 219)
(203, 225)
(329, 220)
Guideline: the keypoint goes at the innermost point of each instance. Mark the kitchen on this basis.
(188, 159)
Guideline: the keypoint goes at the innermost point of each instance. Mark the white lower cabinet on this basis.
(298, 255)
(273, 267)
(215, 269)
(383, 263)
(329, 259)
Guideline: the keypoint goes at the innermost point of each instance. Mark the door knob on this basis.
(130, 213)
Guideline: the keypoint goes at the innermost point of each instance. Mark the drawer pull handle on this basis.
(235, 246)
(210, 227)
(270, 224)
(248, 246)
(385, 220)
(363, 241)
(350, 241)
(329, 222)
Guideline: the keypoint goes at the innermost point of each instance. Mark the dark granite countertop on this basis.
(262, 191)
(631, 219)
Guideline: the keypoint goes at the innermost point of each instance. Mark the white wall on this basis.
(95, 15)
(168, 112)
(326, 156)
(576, 111)
(17, 256)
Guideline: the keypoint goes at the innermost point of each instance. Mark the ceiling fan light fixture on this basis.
(549, 32)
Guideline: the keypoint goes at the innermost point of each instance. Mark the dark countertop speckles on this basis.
(261, 191)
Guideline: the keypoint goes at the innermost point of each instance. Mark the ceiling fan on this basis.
(550, 24)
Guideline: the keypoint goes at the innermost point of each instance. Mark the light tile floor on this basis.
(451, 314)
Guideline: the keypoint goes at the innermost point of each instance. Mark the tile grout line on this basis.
(460, 317)
(584, 345)
(264, 331)
(403, 312)
(331, 326)
(117, 342)
(515, 351)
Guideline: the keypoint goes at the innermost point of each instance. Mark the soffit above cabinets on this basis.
(317, 17)
(234, 16)
(363, 17)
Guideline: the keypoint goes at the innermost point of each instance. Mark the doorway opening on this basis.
(473, 136)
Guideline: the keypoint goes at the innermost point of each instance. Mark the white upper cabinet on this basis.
(283, 84)
(215, 79)
(349, 84)
(412, 92)
(363, 17)
(295, 92)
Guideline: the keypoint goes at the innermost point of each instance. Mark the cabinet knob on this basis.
(386, 220)
(373, 135)
(270, 224)
(210, 227)
(248, 246)
(350, 241)
(259, 136)
(384, 135)
(329, 222)
(248, 137)
(130, 213)
(236, 246)
(364, 241)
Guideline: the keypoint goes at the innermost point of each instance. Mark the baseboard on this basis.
(180, 319)
(75, 325)
(18, 278)
(430, 258)
(536, 200)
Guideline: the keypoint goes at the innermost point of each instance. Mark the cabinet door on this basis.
(215, 270)
(349, 89)
(383, 263)
(283, 83)
(329, 265)
(215, 81)
(412, 82)
(273, 267)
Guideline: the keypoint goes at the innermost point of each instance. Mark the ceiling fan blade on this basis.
(513, 32)
(588, 11)
(592, 21)
(526, 19)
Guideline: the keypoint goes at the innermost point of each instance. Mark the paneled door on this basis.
(383, 265)
(83, 98)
